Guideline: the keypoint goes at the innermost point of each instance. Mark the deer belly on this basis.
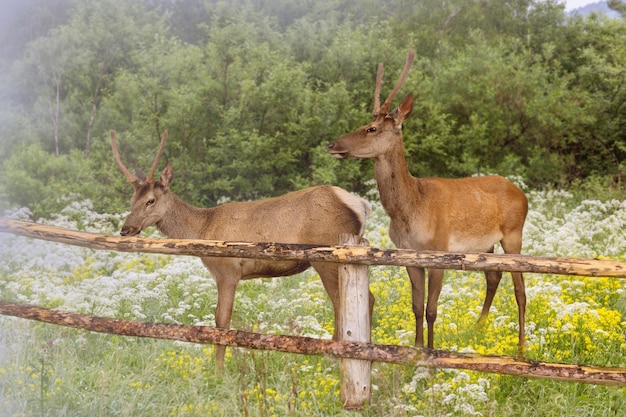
(254, 268)
(483, 243)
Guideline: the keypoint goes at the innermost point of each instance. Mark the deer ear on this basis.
(167, 175)
(403, 111)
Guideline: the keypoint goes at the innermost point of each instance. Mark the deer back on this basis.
(315, 215)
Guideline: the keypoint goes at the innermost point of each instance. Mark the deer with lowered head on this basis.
(315, 215)
(439, 214)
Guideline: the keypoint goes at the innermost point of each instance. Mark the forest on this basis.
(253, 91)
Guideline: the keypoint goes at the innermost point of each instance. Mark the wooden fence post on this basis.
(354, 326)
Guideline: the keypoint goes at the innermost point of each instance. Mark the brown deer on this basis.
(315, 215)
(455, 215)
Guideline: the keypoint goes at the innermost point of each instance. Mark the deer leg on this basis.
(329, 274)
(226, 286)
(520, 297)
(493, 280)
(435, 281)
(512, 243)
(418, 278)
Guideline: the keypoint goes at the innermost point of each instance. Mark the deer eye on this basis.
(371, 129)
(150, 202)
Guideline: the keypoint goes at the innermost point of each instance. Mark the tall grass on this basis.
(48, 370)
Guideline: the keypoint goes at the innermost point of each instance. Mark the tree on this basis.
(434, 23)
(618, 6)
(503, 112)
(45, 67)
(109, 31)
(602, 73)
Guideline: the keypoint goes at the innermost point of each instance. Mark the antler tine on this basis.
(405, 72)
(150, 177)
(379, 83)
(116, 154)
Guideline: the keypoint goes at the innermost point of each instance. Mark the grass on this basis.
(47, 370)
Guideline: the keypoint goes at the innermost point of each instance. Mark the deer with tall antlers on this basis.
(455, 215)
(315, 215)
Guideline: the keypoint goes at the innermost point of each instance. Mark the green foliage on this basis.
(44, 183)
(504, 112)
(35, 179)
(252, 92)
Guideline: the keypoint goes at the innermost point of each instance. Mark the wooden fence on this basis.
(354, 348)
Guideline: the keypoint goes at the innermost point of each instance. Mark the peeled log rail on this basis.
(341, 254)
(402, 355)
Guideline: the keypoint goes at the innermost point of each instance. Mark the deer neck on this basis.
(182, 221)
(395, 183)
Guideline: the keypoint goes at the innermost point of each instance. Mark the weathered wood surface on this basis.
(402, 355)
(354, 326)
(341, 254)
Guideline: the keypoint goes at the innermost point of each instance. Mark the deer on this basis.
(437, 214)
(315, 215)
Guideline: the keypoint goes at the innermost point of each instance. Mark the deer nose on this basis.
(129, 231)
(337, 152)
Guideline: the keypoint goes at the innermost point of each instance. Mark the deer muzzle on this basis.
(129, 231)
(336, 151)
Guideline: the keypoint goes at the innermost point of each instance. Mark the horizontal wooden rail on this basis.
(402, 355)
(342, 254)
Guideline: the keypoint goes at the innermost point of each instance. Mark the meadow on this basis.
(47, 370)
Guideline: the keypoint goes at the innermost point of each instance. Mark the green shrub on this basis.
(43, 182)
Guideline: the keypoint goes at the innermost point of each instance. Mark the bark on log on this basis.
(340, 254)
(309, 346)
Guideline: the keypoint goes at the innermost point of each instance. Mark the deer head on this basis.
(150, 201)
(384, 131)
